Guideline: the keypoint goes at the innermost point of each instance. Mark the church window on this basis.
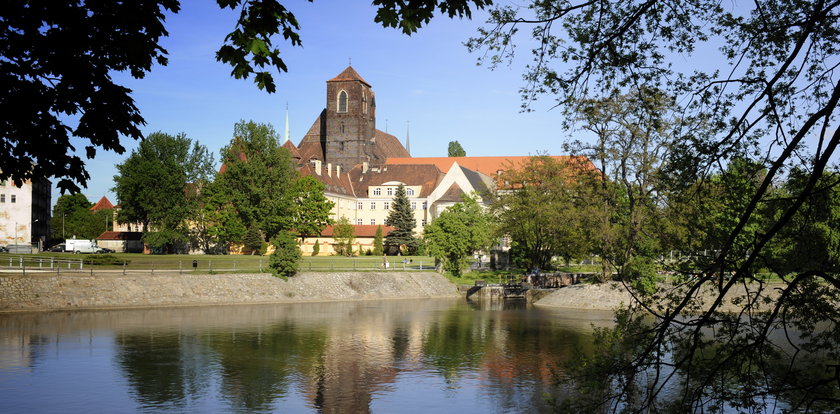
(390, 190)
(341, 144)
(342, 101)
(409, 191)
(377, 191)
(364, 103)
(386, 205)
(342, 127)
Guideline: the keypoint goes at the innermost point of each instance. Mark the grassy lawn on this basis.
(221, 263)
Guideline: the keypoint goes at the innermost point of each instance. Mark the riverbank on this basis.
(51, 292)
(609, 296)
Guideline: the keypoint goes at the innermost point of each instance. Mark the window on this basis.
(414, 205)
(364, 103)
(390, 191)
(358, 221)
(14, 198)
(377, 191)
(342, 101)
(341, 143)
(2, 198)
(386, 205)
(360, 205)
(424, 205)
(423, 223)
(373, 205)
(373, 222)
(409, 191)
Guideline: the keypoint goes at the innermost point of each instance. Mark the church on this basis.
(361, 167)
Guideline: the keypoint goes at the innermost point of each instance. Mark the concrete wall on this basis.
(41, 292)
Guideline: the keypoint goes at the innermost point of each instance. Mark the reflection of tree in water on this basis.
(257, 366)
(456, 342)
(164, 369)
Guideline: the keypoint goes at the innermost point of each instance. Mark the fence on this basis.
(205, 264)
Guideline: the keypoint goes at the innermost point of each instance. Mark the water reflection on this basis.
(407, 356)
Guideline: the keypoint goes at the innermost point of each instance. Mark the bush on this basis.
(105, 259)
(286, 257)
(317, 248)
(641, 273)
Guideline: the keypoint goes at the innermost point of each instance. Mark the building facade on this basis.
(25, 213)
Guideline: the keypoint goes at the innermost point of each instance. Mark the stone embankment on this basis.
(57, 292)
(609, 296)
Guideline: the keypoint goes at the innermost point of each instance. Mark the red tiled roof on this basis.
(425, 175)
(333, 183)
(489, 166)
(120, 235)
(102, 204)
(349, 74)
(388, 146)
(292, 149)
(362, 230)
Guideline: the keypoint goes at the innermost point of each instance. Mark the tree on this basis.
(402, 219)
(773, 87)
(71, 217)
(345, 235)
(253, 240)
(286, 257)
(255, 186)
(312, 209)
(543, 209)
(151, 185)
(58, 60)
(377, 242)
(456, 150)
(457, 232)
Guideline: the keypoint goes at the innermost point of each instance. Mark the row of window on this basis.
(391, 190)
(385, 205)
(373, 222)
(343, 102)
(13, 198)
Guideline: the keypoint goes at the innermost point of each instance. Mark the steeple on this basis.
(286, 133)
(407, 141)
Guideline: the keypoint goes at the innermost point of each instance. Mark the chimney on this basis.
(329, 169)
(364, 167)
(317, 167)
(338, 171)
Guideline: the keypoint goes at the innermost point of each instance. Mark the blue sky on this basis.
(428, 79)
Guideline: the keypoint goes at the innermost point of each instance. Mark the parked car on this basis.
(106, 250)
(4, 249)
(58, 248)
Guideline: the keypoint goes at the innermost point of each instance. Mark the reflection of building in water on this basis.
(364, 358)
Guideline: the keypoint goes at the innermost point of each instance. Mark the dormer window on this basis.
(342, 101)
(409, 191)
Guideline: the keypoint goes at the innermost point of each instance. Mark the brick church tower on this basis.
(345, 132)
(351, 120)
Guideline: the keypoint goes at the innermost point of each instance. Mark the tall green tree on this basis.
(312, 208)
(457, 232)
(285, 259)
(71, 217)
(377, 242)
(402, 219)
(345, 235)
(773, 86)
(152, 182)
(456, 150)
(59, 57)
(544, 210)
(254, 188)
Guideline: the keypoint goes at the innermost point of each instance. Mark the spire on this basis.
(407, 141)
(286, 134)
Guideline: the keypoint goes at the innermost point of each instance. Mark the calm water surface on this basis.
(356, 357)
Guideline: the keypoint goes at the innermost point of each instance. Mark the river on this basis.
(431, 355)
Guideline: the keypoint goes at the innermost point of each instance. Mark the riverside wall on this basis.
(62, 292)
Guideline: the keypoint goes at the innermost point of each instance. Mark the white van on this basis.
(81, 246)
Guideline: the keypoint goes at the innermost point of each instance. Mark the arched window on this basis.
(342, 101)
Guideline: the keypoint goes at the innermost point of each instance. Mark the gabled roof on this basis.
(453, 194)
(489, 166)
(425, 175)
(292, 150)
(387, 146)
(102, 204)
(349, 74)
(361, 230)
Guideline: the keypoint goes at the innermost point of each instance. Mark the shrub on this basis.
(284, 261)
(317, 248)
